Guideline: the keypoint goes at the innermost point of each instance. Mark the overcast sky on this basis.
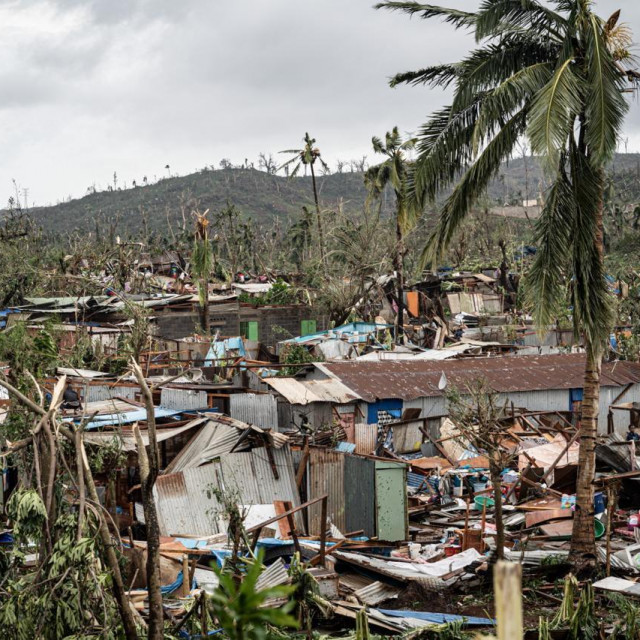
(89, 87)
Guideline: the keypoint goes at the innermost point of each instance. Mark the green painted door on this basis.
(249, 330)
(307, 327)
(391, 501)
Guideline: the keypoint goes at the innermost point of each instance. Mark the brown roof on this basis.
(407, 379)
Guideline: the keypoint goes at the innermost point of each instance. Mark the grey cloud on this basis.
(135, 84)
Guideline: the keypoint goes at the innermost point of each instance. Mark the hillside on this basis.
(257, 194)
(266, 198)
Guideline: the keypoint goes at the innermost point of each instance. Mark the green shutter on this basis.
(307, 327)
(249, 330)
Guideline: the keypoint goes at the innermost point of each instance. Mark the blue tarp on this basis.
(346, 329)
(438, 618)
(139, 415)
(218, 350)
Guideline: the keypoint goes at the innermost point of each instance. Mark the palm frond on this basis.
(553, 112)
(437, 76)
(509, 97)
(495, 16)
(553, 238)
(454, 16)
(606, 107)
(471, 186)
(593, 309)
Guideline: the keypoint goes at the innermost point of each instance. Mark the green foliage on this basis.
(68, 594)
(240, 608)
(30, 350)
(294, 353)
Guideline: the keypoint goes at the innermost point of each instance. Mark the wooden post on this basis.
(465, 541)
(611, 497)
(507, 586)
(323, 533)
(186, 585)
(483, 525)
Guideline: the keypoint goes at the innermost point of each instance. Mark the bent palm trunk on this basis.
(583, 544)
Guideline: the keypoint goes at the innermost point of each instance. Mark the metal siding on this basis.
(95, 393)
(366, 438)
(360, 495)
(391, 501)
(183, 398)
(326, 476)
(252, 408)
(185, 503)
(259, 486)
(620, 418)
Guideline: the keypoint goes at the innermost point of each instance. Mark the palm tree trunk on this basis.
(204, 308)
(399, 267)
(318, 215)
(583, 544)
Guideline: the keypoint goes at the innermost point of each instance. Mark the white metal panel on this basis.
(260, 409)
(97, 392)
(187, 399)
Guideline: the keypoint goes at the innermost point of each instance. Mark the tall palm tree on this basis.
(554, 72)
(394, 171)
(307, 157)
(202, 265)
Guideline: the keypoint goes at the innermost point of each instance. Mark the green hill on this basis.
(266, 197)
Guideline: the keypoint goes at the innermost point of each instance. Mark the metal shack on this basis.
(364, 493)
(380, 392)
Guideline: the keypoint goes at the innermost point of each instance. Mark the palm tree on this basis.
(553, 72)
(202, 265)
(307, 157)
(394, 171)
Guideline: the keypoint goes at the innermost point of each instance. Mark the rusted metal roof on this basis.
(408, 380)
(306, 391)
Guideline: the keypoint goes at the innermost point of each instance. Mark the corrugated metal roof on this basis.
(274, 575)
(326, 476)
(128, 440)
(186, 500)
(306, 391)
(408, 380)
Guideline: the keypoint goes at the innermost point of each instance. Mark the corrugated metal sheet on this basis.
(274, 575)
(191, 454)
(376, 592)
(307, 391)
(128, 442)
(360, 495)
(260, 409)
(223, 439)
(326, 476)
(366, 438)
(414, 379)
(186, 501)
(97, 392)
(184, 399)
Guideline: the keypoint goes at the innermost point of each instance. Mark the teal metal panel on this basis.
(391, 501)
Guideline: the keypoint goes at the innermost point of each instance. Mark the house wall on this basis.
(274, 323)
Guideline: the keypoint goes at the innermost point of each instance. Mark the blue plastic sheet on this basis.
(438, 618)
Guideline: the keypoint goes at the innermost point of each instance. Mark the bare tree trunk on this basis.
(119, 590)
(399, 267)
(318, 216)
(496, 481)
(149, 465)
(204, 309)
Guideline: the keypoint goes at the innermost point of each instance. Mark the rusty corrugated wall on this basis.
(326, 476)
(366, 438)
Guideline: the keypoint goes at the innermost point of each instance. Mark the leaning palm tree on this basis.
(307, 157)
(556, 73)
(394, 171)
